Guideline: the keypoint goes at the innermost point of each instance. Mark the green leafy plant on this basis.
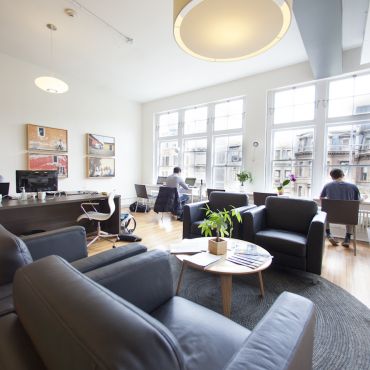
(220, 221)
(244, 176)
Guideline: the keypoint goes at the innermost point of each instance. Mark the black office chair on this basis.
(209, 191)
(141, 194)
(342, 212)
(167, 201)
(259, 199)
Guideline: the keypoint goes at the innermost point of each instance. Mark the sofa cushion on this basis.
(221, 200)
(13, 255)
(290, 214)
(209, 342)
(194, 228)
(6, 299)
(75, 323)
(282, 241)
(16, 349)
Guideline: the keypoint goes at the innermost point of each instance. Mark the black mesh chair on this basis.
(342, 212)
(209, 191)
(259, 199)
(142, 195)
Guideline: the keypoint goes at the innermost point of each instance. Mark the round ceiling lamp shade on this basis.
(51, 85)
(229, 30)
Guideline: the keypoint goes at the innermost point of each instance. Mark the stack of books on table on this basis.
(250, 256)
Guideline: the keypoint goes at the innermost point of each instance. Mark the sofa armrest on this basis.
(144, 280)
(238, 226)
(282, 340)
(108, 257)
(253, 221)
(68, 243)
(315, 243)
(192, 212)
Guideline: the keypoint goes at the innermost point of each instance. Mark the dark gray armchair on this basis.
(292, 230)
(69, 243)
(139, 324)
(194, 213)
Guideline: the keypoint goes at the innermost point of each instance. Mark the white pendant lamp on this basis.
(228, 30)
(51, 84)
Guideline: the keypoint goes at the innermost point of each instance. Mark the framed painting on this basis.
(49, 162)
(102, 146)
(98, 167)
(46, 138)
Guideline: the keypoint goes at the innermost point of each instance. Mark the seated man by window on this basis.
(176, 181)
(338, 189)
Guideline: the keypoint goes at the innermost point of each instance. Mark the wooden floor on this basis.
(340, 266)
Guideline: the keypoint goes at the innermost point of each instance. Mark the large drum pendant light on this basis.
(227, 30)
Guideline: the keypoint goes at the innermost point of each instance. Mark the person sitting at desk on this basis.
(176, 181)
(338, 189)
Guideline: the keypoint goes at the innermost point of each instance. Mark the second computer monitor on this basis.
(161, 180)
(190, 181)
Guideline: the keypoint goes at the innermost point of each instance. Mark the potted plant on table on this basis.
(244, 176)
(222, 223)
(286, 182)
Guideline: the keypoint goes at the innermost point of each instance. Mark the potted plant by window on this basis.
(244, 176)
(286, 182)
(222, 223)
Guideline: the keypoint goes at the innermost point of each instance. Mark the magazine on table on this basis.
(251, 261)
(188, 246)
(202, 259)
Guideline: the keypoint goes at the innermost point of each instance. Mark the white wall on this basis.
(83, 109)
(255, 89)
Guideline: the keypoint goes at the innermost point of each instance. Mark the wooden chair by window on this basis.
(342, 212)
(259, 199)
(209, 191)
(142, 195)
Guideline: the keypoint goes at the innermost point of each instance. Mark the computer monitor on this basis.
(190, 181)
(4, 188)
(161, 180)
(34, 181)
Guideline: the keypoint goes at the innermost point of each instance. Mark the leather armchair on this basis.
(69, 243)
(194, 213)
(90, 327)
(292, 230)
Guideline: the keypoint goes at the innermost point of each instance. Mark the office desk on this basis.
(20, 216)
(191, 191)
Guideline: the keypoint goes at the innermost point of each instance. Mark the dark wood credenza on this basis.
(25, 216)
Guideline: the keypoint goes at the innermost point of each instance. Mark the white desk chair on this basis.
(99, 217)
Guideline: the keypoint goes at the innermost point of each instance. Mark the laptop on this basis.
(190, 181)
(161, 180)
(4, 188)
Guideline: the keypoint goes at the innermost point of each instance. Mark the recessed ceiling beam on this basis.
(320, 25)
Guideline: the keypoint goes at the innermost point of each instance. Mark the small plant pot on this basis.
(217, 248)
(281, 191)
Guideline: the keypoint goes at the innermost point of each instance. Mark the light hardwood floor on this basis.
(340, 266)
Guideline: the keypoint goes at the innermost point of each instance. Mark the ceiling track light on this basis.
(229, 30)
(127, 39)
(51, 84)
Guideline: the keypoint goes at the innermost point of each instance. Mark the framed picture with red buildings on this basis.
(47, 139)
(53, 162)
(102, 146)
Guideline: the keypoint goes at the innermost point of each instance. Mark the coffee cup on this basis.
(41, 195)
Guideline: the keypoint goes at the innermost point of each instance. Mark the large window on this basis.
(206, 141)
(316, 128)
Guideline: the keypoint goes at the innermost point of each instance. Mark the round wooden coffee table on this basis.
(224, 268)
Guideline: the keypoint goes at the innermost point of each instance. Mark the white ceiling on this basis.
(153, 66)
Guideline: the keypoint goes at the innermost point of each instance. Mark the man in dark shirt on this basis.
(339, 190)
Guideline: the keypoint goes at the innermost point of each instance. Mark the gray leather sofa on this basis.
(81, 325)
(194, 213)
(69, 243)
(292, 230)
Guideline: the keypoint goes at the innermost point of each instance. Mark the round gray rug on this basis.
(342, 335)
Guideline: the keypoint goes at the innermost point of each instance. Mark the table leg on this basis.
(226, 291)
(261, 283)
(183, 266)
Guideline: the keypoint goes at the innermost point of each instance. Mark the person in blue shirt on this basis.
(338, 189)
